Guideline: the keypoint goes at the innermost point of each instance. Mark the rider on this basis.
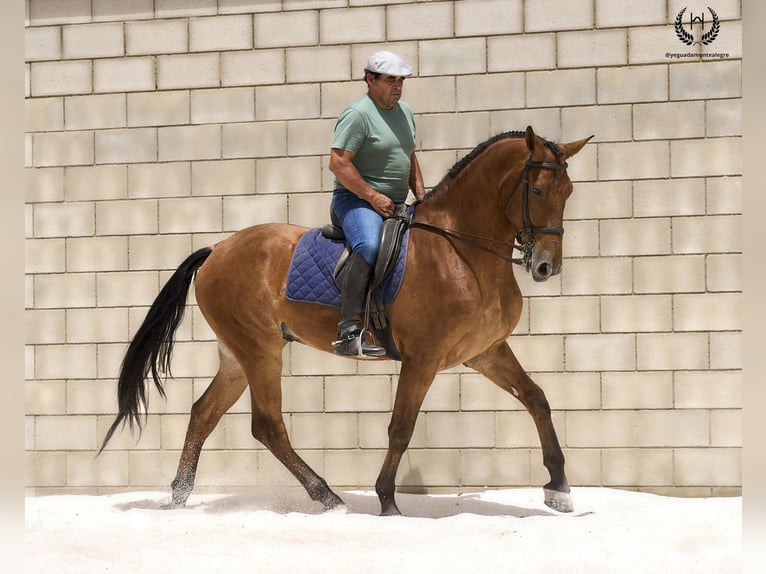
(373, 159)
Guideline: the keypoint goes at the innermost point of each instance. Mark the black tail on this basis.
(152, 347)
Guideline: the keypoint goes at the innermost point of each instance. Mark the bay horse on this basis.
(458, 304)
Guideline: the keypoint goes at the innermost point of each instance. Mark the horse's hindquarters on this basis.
(240, 288)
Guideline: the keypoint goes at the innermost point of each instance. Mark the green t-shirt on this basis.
(382, 141)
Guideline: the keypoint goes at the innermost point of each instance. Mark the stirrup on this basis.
(352, 344)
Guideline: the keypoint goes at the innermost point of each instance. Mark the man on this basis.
(373, 159)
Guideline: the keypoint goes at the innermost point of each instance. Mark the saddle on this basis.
(390, 243)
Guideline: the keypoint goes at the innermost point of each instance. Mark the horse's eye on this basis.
(537, 191)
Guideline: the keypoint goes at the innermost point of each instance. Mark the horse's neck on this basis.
(471, 203)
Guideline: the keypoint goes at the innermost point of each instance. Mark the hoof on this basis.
(558, 501)
(180, 493)
(337, 509)
(390, 510)
(332, 502)
(175, 504)
(178, 499)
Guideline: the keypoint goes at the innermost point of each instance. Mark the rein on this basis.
(524, 240)
(463, 236)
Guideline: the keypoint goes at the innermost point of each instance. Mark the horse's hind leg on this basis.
(268, 426)
(500, 366)
(227, 386)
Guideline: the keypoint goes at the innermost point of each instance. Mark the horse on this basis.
(458, 303)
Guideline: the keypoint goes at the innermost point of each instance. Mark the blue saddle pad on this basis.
(310, 279)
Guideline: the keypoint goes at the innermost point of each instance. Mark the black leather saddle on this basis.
(391, 235)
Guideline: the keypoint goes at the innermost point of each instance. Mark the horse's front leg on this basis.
(500, 366)
(414, 382)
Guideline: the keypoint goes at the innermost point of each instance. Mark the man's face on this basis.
(385, 90)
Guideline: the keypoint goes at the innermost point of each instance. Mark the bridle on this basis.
(524, 240)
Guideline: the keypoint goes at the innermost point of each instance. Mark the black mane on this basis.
(463, 163)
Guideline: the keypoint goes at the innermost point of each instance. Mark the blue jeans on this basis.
(360, 222)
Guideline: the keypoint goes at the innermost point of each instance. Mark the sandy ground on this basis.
(493, 531)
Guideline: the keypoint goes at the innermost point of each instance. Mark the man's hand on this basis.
(382, 204)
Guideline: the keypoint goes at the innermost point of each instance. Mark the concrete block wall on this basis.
(155, 127)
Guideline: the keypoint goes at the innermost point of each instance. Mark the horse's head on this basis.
(540, 193)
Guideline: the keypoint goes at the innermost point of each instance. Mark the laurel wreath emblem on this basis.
(688, 39)
(712, 34)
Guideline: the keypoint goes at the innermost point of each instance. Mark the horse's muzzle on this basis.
(542, 266)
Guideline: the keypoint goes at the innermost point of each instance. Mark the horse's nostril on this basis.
(544, 269)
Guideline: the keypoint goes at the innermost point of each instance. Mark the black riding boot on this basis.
(353, 292)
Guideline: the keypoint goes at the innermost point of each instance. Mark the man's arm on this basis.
(349, 177)
(416, 178)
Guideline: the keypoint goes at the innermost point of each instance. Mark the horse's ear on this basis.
(571, 148)
(529, 135)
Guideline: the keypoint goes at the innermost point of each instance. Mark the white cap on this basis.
(385, 62)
